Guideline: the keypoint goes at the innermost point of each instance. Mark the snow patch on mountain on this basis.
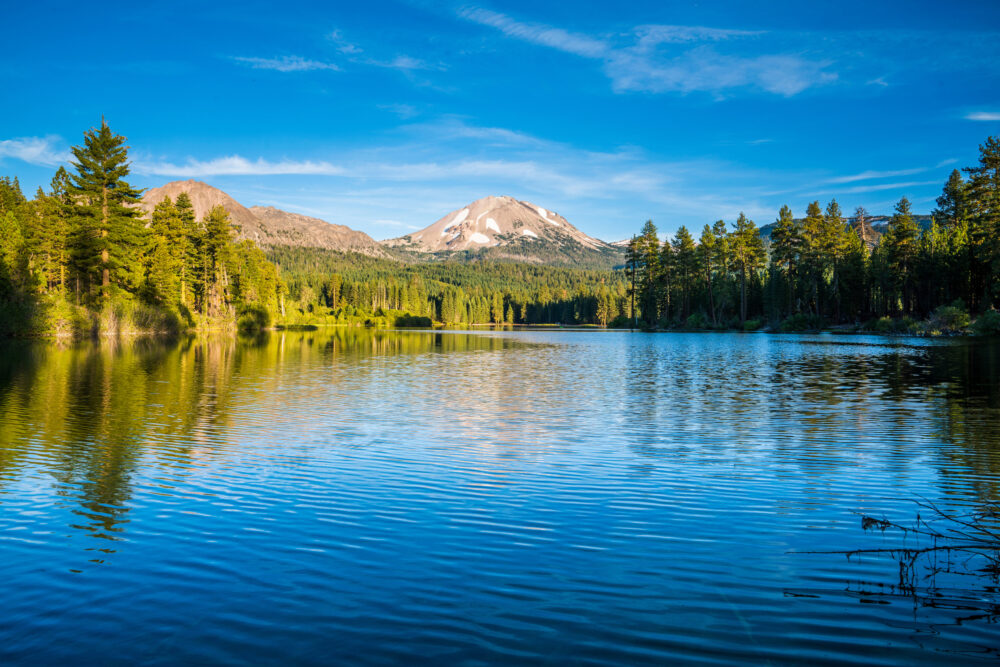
(459, 217)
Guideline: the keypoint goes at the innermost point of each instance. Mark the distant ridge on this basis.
(266, 225)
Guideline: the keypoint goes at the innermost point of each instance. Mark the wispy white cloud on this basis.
(403, 63)
(395, 223)
(652, 35)
(404, 111)
(704, 69)
(433, 167)
(875, 175)
(41, 151)
(236, 165)
(556, 38)
(983, 115)
(861, 189)
(342, 44)
(287, 64)
(644, 67)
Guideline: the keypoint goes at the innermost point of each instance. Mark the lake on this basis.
(349, 495)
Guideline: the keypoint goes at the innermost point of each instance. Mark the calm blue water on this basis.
(586, 497)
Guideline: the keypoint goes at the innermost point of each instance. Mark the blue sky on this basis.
(386, 115)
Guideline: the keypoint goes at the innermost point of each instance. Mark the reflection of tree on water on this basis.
(947, 561)
(98, 415)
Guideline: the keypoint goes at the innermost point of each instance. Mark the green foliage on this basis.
(988, 324)
(109, 237)
(697, 321)
(753, 325)
(451, 292)
(950, 318)
(801, 322)
(253, 318)
(893, 325)
(80, 260)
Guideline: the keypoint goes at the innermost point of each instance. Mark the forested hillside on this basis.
(451, 292)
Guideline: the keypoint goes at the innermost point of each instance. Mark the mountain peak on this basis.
(497, 221)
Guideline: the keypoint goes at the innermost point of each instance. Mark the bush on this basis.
(801, 322)
(988, 324)
(753, 325)
(253, 318)
(696, 321)
(408, 320)
(950, 318)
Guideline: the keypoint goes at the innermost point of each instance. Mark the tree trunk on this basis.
(743, 295)
(711, 298)
(105, 271)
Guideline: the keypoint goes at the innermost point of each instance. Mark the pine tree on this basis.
(812, 254)
(984, 233)
(706, 261)
(953, 206)
(686, 263)
(901, 252)
(165, 255)
(107, 210)
(862, 226)
(13, 267)
(786, 244)
(649, 272)
(748, 255)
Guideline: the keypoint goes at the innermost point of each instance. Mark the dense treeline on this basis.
(827, 268)
(82, 258)
(451, 292)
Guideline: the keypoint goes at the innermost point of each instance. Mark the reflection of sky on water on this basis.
(486, 495)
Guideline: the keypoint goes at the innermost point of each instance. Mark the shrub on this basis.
(801, 322)
(988, 324)
(696, 321)
(753, 325)
(253, 318)
(408, 320)
(950, 318)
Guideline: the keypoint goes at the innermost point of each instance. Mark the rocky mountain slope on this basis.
(266, 225)
(507, 228)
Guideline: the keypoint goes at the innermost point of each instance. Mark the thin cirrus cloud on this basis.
(862, 189)
(693, 65)
(235, 165)
(286, 64)
(875, 175)
(41, 151)
(403, 63)
(983, 115)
